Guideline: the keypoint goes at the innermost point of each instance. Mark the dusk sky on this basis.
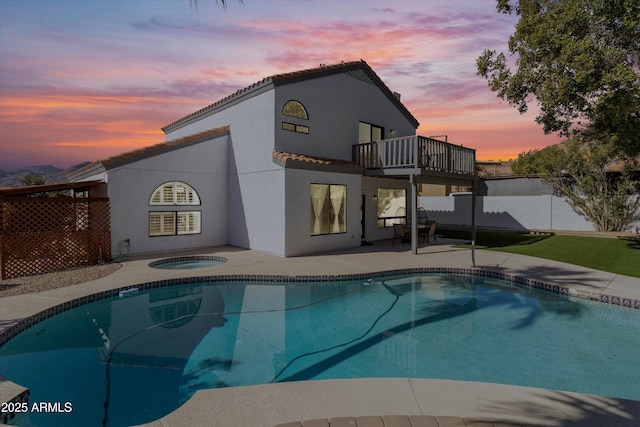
(81, 80)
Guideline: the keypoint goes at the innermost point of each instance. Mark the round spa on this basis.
(188, 262)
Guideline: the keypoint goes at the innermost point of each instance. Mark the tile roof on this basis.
(366, 73)
(302, 161)
(161, 147)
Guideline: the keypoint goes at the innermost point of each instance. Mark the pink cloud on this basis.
(78, 126)
(93, 89)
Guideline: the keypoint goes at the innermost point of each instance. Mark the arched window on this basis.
(170, 223)
(295, 109)
(174, 193)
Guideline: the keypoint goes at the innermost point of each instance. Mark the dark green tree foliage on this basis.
(579, 60)
(539, 162)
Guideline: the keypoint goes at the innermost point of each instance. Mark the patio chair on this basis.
(423, 230)
(423, 223)
(432, 232)
(398, 230)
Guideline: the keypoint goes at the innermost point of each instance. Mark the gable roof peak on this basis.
(359, 69)
(320, 69)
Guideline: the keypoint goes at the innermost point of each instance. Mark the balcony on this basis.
(415, 155)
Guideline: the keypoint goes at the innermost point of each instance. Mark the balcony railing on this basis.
(415, 152)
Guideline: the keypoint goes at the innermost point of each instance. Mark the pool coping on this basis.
(313, 403)
(505, 262)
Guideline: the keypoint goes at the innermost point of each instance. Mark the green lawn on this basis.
(621, 256)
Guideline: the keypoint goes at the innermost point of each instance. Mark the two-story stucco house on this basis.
(291, 165)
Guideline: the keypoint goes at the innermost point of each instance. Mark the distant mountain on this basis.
(51, 174)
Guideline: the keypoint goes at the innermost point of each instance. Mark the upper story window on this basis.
(369, 133)
(295, 109)
(174, 193)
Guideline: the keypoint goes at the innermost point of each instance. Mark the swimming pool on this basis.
(134, 359)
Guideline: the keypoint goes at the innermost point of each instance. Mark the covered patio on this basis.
(421, 160)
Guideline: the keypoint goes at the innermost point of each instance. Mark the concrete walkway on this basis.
(269, 405)
(451, 403)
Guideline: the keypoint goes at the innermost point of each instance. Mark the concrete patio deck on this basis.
(457, 403)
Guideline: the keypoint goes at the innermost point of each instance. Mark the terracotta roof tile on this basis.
(289, 159)
(138, 152)
(303, 74)
(319, 70)
(164, 145)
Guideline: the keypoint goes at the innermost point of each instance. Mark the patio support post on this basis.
(414, 214)
(474, 194)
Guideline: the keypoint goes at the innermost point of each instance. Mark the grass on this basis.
(620, 256)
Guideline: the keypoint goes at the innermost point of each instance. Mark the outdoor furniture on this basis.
(423, 223)
(423, 230)
(399, 233)
(432, 232)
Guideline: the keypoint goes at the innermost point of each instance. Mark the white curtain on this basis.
(337, 199)
(318, 195)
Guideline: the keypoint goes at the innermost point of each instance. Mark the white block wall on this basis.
(517, 212)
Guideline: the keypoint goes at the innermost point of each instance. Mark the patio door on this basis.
(369, 133)
(368, 151)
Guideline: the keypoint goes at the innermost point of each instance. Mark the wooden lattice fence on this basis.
(44, 234)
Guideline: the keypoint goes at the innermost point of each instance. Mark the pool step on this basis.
(11, 393)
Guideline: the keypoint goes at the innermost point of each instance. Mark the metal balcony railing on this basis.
(415, 152)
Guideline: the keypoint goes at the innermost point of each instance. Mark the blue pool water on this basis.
(188, 262)
(132, 360)
(187, 265)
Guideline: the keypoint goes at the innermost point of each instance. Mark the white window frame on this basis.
(162, 223)
(192, 221)
(172, 223)
(174, 193)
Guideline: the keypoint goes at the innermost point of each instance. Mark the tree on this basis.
(579, 59)
(29, 180)
(540, 161)
(595, 183)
